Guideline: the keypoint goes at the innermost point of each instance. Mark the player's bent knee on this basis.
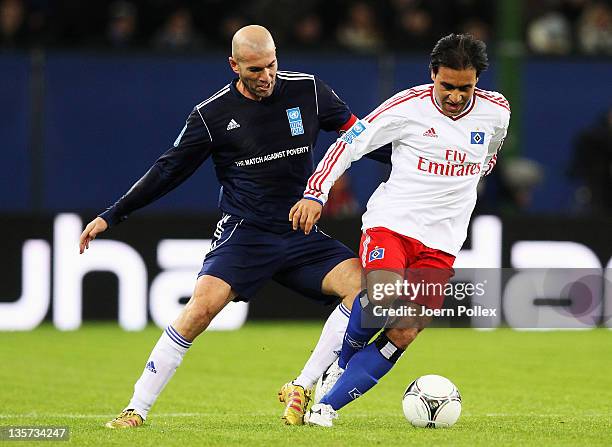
(402, 337)
(344, 281)
(210, 296)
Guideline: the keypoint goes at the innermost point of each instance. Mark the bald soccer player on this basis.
(260, 130)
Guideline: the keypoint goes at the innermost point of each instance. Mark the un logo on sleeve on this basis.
(358, 127)
(295, 121)
(353, 132)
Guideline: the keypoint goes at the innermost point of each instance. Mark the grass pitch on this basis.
(518, 388)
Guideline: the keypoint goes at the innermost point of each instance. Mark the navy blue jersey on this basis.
(262, 150)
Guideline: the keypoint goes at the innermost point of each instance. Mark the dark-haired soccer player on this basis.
(445, 136)
(260, 131)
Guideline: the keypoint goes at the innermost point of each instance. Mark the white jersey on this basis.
(436, 160)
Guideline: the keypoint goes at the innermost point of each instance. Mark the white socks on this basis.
(166, 356)
(328, 347)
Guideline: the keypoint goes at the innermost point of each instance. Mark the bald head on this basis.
(253, 59)
(251, 39)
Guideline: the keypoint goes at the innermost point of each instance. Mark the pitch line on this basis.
(107, 415)
(216, 414)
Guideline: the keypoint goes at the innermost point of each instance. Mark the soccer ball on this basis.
(432, 401)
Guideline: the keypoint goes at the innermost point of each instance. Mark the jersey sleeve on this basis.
(333, 113)
(495, 144)
(382, 155)
(191, 148)
(362, 138)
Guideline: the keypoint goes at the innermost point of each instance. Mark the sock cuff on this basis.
(344, 310)
(387, 349)
(177, 338)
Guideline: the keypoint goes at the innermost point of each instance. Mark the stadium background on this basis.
(92, 92)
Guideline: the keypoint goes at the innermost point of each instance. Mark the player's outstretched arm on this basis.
(362, 138)
(305, 214)
(91, 231)
(177, 164)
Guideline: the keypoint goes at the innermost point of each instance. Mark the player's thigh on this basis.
(432, 270)
(382, 249)
(384, 260)
(309, 259)
(243, 256)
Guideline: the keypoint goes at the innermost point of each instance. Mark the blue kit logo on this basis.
(355, 393)
(377, 253)
(295, 121)
(151, 367)
(353, 132)
(477, 137)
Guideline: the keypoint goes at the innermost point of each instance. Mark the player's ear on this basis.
(233, 65)
(433, 75)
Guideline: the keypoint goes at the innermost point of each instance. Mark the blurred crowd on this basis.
(361, 26)
(551, 26)
(562, 27)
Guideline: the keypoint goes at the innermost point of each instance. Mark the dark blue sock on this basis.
(363, 372)
(356, 336)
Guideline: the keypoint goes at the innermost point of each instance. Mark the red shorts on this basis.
(383, 249)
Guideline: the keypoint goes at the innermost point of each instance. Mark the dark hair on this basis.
(459, 52)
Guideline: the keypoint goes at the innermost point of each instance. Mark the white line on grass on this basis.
(94, 416)
(102, 416)
(216, 414)
(539, 415)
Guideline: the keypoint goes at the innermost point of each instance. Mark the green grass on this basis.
(518, 388)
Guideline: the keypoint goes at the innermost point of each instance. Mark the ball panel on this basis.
(447, 414)
(416, 410)
(435, 386)
(410, 387)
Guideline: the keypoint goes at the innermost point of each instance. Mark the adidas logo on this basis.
(151, 367)
(233, 125)
(431, 132)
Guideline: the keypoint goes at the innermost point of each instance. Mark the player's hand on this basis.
(305, 214)
(93, 228)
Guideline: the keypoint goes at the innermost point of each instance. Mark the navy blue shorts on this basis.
(246, 256)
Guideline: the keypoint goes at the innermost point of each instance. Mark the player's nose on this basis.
(266, 75)
(456, 97)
